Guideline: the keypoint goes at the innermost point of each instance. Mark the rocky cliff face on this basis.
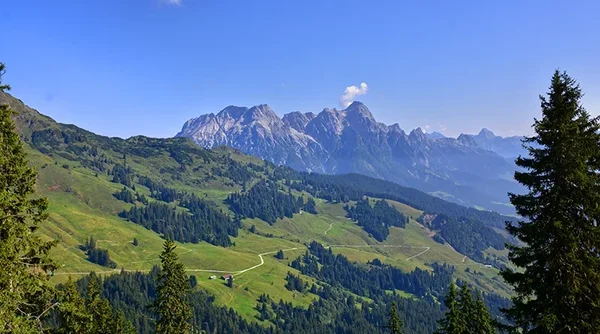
(352, 141)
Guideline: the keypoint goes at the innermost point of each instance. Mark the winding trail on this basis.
(262, 260)
(423, 252)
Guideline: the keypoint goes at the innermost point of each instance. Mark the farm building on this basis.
(227, 276)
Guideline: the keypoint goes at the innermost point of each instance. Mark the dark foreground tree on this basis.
(557, 284)
(395, 324)
(72, 312)
(453, 322)
(483, 321)
(172, 289)
(24, 261)
(464, 314)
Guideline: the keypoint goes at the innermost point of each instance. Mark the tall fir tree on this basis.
(557, 283)
(172, 289)
(73, 315)
(453, 322)
(395, 324)
(483, 321)
(25, 295)
(467, 309)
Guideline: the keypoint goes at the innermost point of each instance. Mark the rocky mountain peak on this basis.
(467, 140)
(234, 112)
(261, 111)
(485, 133)
(395, 128)
(297, 120)
(357, 108)
(435, 135)
(417, 134)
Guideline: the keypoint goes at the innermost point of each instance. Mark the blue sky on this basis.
(122, 68)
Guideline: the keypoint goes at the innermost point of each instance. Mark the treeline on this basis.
(132, 293)
(128, 196)
(81, 308)
(320, 263)
(236, 172)
(97, 255)
(265, 201)
(352, 187)
(466, 236)
(202, 223)
(346, 313)
(123, 175)
(295, 283)
(376, 219)
(159, 191)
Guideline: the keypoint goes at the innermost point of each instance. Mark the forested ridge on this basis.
(372, 281)
(352, 187)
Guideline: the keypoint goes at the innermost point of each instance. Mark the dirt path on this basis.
(423, 252)
(262, 261)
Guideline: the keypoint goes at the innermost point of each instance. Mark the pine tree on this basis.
(453, 322)
(172, 289)
(230, 281)
(467, 309)
(25, 295)
(72, 312)
(98, 307)
(483, 321)
(395, 323)
(280, 255)
(558, 284)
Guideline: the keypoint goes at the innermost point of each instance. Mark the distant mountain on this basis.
(435, 135)
(352, 141)
(508, 147)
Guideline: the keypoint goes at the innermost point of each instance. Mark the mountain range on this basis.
(473, 170)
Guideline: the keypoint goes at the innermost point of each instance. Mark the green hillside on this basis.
(80, 172)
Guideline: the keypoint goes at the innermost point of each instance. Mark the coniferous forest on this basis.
(376, 219)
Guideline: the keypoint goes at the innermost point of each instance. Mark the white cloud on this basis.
(351, 92)
(443, 127)
(426, 129)
(172, 2)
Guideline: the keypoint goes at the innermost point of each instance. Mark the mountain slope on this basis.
(82, 174)
(352, 141)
